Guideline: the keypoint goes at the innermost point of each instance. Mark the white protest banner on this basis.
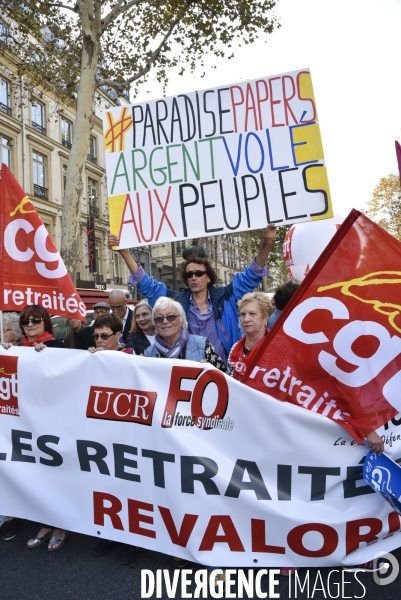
(176, 457)
(217, 161)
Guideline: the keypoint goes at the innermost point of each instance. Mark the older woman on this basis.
(254, 311)
(173, 340)
(142, 332)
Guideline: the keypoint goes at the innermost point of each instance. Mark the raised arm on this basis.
(269, 235)
(125, 255)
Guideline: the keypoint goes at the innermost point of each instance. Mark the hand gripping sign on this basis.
(31, 269)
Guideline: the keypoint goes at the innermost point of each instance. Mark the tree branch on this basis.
(60, 5)
(153, 57)
(118, 10)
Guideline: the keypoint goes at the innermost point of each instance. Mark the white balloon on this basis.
(305, 242)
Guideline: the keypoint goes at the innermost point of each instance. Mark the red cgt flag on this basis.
(31, 269)
(336, 349)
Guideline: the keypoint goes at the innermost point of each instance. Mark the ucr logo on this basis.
(9, 386)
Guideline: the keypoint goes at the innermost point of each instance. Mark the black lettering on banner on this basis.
(159, 120)
(184, 205)
(206, 206)
(175, 118)
(256, 482)
(249, 198)
(188, 477)
(285, 195)
(56, 458)
(318, 480)
(134, 121)
(326, 200)
(209, 112)
(222, 111)
(188, 104)
(224, 206)
(18, 446)
(83, 447)
(148, 124)
(284, 473)
(159, 458)
(120, 462)
(351, 489)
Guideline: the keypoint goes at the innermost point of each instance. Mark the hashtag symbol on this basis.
(115, 135)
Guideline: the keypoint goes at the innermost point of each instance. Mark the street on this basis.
(73, 573)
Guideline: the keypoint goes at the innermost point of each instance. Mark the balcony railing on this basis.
(92, 159)
(38, 128)
(118, 280)
(40, 192)
(66, 144)
(97, 277)
(5, 109)
(94, 211)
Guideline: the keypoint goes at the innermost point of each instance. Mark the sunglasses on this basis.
(170, 319)
(104, 336)
(190, 274)
(33, 320)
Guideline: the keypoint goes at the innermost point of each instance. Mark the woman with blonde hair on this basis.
(142, 332)
(254, 311)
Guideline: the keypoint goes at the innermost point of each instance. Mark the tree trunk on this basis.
(75, 184)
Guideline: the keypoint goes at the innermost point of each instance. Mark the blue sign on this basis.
(384, 476)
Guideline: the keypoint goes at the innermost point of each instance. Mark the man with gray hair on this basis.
(119, 308)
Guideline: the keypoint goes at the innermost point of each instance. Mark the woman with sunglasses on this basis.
(142, 332)
(36, 326)
(173, 340)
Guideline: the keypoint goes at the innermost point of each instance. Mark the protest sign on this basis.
(31, 269)
(336, 348)
(217, 161)
(176, 457)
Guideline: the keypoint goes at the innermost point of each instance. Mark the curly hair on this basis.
(11, 319)
(35, 310)
(261, 298)
(211, 273)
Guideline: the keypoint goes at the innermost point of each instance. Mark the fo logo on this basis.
(8, 386)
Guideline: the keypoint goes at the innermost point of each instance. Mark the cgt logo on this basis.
(9, 386)
(114, 404)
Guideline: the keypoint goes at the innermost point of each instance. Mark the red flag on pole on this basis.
(398, 153)
(336, 349)
(31, 269)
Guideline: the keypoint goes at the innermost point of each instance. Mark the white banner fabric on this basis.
(107, 445)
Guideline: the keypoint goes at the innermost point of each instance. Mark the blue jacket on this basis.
(194, 350)
(224, 301)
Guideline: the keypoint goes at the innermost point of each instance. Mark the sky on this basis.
(351, 48)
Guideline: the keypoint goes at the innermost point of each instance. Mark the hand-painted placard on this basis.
(222, 160)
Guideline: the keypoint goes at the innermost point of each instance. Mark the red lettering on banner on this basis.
(175, 393)
(100, 510)
(9, 385)
(258, 529)
(230, 536)
(135, 518)
(188, 523)
(115, 404)
(330, 540)
(354, 537)
(394, 524)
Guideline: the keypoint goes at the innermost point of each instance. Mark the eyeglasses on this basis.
(119, 307)
(170, 319)
(104, 336)
(33, 320)
(101, 311)
(190, 274)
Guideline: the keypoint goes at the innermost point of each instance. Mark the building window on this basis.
(39, 175)
(5, 151)
(64, 177)
(66, 134)
(3, 34)
(92, 198)
(179, 247)
(92, 156)
(38, 117)
(5, 97)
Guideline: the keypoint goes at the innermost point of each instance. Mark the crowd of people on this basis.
(222, 326)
